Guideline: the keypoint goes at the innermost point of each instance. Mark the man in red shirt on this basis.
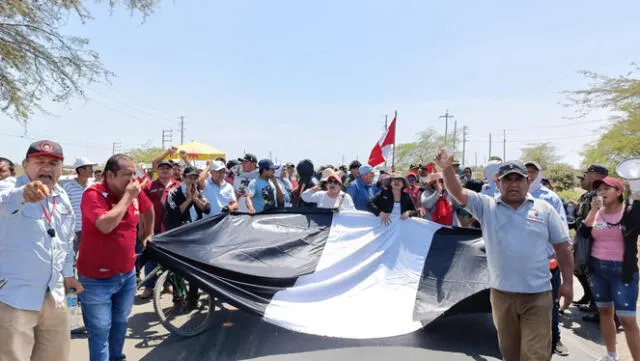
(157, 192)
(111, 211)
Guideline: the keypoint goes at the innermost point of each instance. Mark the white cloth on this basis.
(343, 201)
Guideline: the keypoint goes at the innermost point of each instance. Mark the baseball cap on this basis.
(167, 163)
(512, 167)
(217, 166)
(249, 157)
(610, 181)
(597, 169)
(82, 162)
(266, 164)
(533, 163)
(364, 169)
(190, 170)
(45, 148)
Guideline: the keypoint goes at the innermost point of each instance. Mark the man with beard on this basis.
(111, 211)
(36, 261)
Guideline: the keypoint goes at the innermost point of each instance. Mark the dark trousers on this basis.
(555, 285)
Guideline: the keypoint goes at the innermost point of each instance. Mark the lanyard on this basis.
(49, 217)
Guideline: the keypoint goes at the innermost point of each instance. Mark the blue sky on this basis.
(299, 79)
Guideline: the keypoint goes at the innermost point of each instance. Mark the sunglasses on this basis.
(332, 181)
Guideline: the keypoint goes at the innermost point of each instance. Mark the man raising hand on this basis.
(517, 229)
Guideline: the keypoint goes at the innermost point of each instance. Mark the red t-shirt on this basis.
(106, 255)
(157, 194)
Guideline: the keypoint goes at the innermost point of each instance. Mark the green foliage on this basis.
(570, 194)
(562, 176)
(424, 149)
(619, 140)
(39, 62)
(145, 153)
(543, 153)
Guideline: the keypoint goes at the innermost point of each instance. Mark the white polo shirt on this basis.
(219, 196)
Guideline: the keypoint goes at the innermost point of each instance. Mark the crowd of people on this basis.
(84, 236)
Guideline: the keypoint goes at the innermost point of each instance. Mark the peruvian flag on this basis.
(383, 147)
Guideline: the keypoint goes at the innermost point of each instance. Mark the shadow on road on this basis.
(236, 335)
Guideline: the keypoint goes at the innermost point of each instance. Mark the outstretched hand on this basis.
(444, 160)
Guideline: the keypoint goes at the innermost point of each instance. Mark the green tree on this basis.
(618, 140)
(562, 176)
(424, 149)
(38, 62)
(543, 153)
(145, 153)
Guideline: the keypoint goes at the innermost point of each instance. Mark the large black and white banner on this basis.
(332, 274)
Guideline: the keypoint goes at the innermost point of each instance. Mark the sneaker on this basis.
(608, 358)
(560, 349)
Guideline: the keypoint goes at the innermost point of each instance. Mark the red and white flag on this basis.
(381, 151)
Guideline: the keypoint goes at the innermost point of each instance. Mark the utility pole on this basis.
(476, 159)
(455, 134)
(504, 145)
(464, 143)
(489, 145)
(116, 147)
(446, 117)
(167, 137)
(181, 129)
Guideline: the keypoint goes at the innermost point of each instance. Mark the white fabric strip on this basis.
(365, 284)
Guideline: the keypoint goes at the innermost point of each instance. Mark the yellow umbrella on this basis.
(199, 151)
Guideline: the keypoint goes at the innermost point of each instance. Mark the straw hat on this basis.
(330, 173)
(396, 176)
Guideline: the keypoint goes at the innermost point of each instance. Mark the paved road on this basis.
(239, 336)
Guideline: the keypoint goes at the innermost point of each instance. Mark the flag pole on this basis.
(386, 127)
(395, 131)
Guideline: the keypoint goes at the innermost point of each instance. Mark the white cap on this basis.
(217, 165)
(81, 162)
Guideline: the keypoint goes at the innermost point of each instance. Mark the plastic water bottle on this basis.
(75, 312)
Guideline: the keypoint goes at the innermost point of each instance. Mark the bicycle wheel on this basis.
(181, 313)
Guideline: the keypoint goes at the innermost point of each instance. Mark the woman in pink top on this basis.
(613, 269)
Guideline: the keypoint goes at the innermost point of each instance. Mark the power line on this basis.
(130, 106)
(552, 126)
(33, 137)
(149, 106)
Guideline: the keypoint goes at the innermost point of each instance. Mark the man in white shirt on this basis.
(217, 191)
(75, 188)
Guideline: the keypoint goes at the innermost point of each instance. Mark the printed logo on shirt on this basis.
(136, 206)
(534, 216)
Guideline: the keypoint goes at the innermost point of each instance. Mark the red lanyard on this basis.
(49, 216)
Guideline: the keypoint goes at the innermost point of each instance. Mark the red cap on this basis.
(610, 181)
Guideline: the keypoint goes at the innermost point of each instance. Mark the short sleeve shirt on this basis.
(264, 194)
(106, 255)
(516, 241)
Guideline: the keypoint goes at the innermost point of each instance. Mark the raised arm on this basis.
(445, 160)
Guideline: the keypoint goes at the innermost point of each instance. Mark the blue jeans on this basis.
(148, 267)
(555, 286)
(106, 305)
(609, 290)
